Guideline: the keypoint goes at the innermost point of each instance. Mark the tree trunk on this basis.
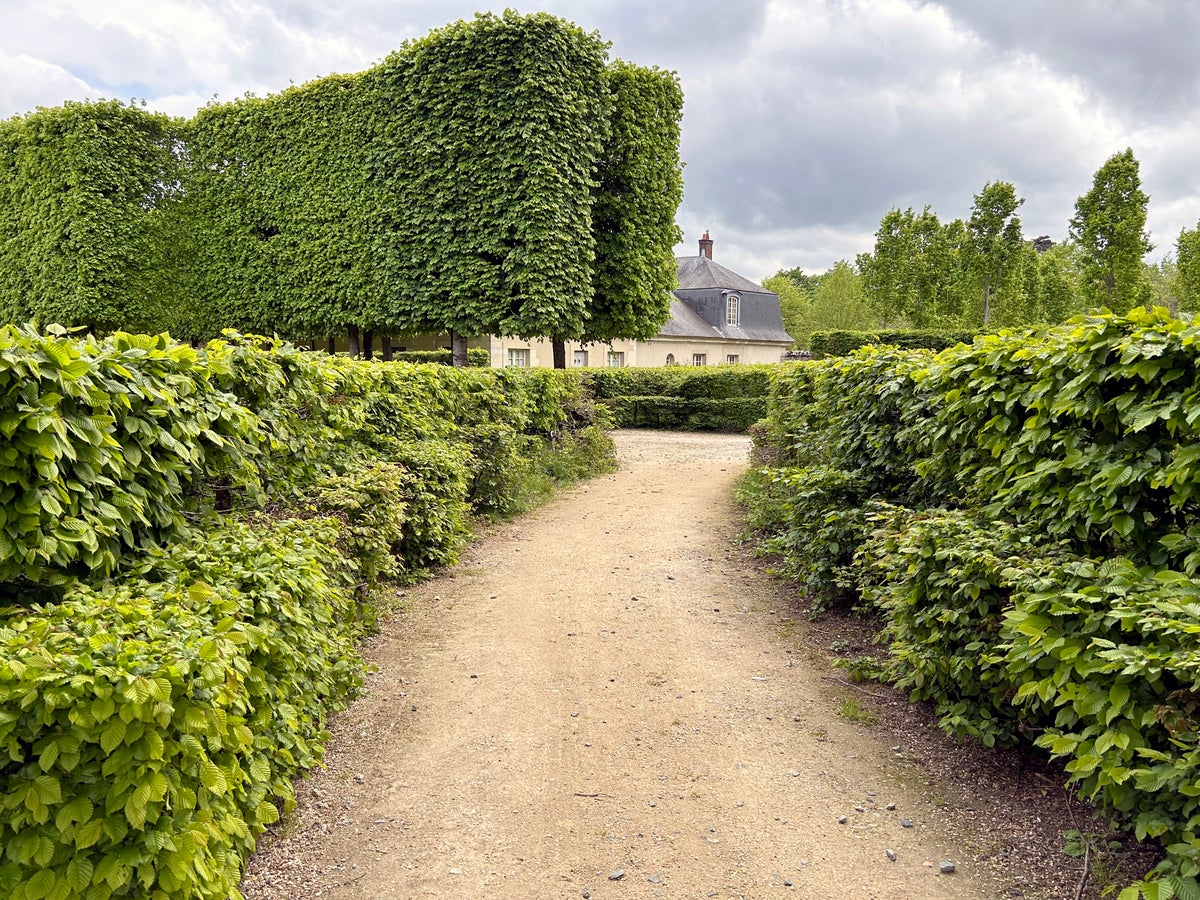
(368, 342)
(987, 303)
(331, 346)
(355, 343)
(385, 347)
(458, 350)
(560, 352)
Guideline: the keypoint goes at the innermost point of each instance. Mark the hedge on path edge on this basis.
(190, 541)
(1022, 513)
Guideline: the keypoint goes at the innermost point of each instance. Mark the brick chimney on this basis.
(706, 246)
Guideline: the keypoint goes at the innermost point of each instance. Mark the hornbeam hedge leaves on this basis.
(186, 541)
(1022, 513)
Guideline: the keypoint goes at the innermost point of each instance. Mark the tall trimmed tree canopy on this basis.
(633, 217)
(499, 176)
(83, 189)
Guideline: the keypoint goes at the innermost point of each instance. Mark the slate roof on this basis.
(685, 322)
(698, 310)
(701, 272)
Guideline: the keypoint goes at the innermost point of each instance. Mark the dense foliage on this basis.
(840, 343)
(188, 549)
(499, 176)
(981, 272)
(83, 191)
(1022, 513)
(476, 356)
(725, 398)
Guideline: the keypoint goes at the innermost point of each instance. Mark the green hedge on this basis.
(151, 725)
(842, 343)
(1021, 511)
(168, 661)
(724, 398)
(476, 357)
(499, 175)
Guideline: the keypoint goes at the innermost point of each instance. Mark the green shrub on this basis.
(942, 580)
(1105, 654)
(161, 684)
(368, 500)
(819, 522)
(843, 343)
(477, 357)
(1043, 577)
(724, 398)
(106, 442)
(150, 726)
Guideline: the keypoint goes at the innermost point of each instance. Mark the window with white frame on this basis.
(518, 357)
(579, 359)
(732, 359)
(699, 359)
(616, 359)
(733, 310)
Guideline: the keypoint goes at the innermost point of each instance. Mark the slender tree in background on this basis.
(993, 243)
(795, 303)
(838, 303)
(913, 277)
(1110, 226)
(1187, 259)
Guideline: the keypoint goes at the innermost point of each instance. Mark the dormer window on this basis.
(733, 310)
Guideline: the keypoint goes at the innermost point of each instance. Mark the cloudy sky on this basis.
(804, 120)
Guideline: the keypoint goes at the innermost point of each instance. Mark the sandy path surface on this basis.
(604, 687)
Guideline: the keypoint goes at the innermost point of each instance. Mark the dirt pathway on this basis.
(601, 688)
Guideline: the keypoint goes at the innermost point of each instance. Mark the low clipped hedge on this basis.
(719, 398)
(841, 343)
(151, 728)
(189, 542)
(1021, 512)
(476, 357)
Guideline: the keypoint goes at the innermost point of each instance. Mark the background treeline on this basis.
(190, 546)
(499, 176)
(1022, 515)
(982, 273)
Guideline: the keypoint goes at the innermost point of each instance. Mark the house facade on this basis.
(717, 318)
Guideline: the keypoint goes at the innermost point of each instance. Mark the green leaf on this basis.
(212, 777)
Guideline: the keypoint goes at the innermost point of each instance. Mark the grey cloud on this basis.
(1140, 55)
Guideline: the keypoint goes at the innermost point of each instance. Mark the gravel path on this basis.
(603, 700)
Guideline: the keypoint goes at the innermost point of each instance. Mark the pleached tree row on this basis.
(499, 176)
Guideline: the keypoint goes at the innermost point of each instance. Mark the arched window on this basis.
(733, 311)
(670, 359)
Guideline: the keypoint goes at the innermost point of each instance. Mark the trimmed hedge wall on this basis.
(1022, 512)
(476, 357)
(499, 175)
(188, 543)
(841, 343)
(724, 398)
